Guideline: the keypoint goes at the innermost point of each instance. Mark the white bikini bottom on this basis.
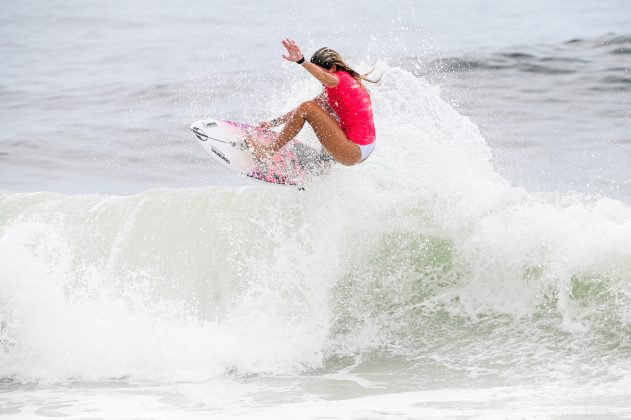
(367, 149)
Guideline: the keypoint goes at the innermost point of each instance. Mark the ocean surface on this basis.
(478, 265)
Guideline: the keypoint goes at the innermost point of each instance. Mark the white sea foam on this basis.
(193, 284)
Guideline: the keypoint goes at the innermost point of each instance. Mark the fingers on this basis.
(290, 44)
(293, 50)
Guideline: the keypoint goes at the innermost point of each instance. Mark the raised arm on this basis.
(326, 78)
(294, 54)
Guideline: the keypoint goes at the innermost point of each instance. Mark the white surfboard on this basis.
(295, 164)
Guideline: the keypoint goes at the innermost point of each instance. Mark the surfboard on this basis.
(295, 164)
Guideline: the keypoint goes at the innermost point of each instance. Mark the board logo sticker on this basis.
(199, 134)
(221, 155)
(211, 124)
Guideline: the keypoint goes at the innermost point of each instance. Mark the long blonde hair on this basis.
(327, 58)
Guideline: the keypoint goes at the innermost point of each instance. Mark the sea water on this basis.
(478, 265)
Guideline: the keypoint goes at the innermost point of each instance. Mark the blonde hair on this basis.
(327, 58)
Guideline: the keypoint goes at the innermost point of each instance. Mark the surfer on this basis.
(344, 99)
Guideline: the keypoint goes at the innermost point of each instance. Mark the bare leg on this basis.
(325, 127)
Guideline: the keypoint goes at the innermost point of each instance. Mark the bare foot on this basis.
(260, 151)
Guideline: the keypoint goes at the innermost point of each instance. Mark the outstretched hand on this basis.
(293, 50)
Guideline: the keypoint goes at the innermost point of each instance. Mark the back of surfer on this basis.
(344, 99)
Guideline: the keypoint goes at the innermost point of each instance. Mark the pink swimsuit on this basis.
(351, 103)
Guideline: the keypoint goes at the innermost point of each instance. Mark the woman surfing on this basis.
(344, 99)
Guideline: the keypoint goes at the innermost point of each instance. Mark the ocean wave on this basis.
(546, 59)
(413, 250)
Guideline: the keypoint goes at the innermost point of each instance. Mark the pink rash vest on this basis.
(351, 103)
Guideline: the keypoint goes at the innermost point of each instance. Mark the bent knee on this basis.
(308, 107)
